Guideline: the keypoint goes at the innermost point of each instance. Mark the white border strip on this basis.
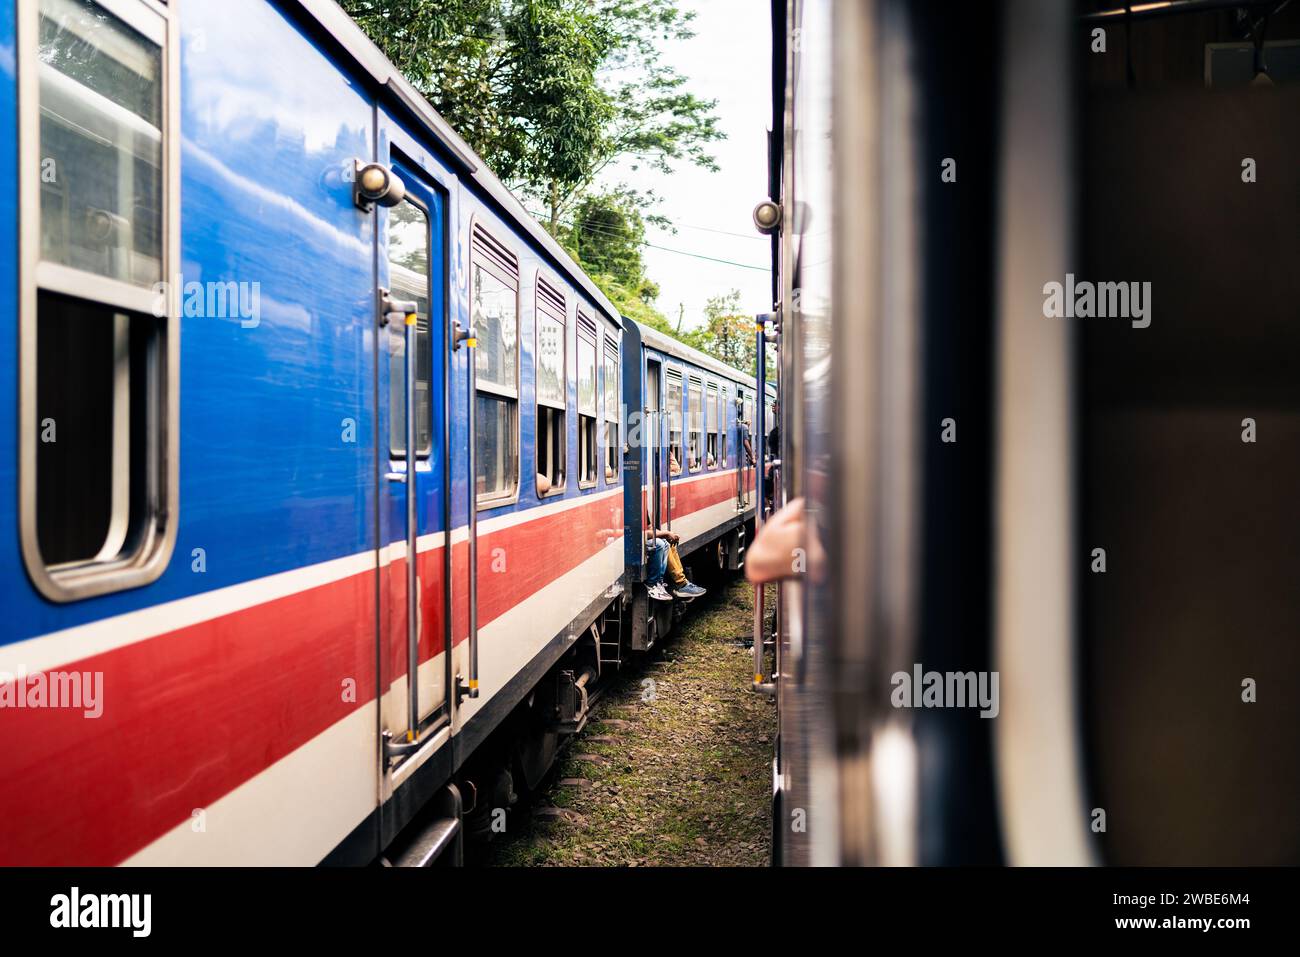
(108, 634)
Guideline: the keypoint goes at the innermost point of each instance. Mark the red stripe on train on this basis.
(187, 716)
(191, 714)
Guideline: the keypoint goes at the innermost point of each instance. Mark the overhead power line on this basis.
(607, 231)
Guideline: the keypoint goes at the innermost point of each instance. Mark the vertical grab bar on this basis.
(740, 453)
(760, 407)
(390, 311)
(466, 336)
(653, 419)
(664, 447)
(410, 338)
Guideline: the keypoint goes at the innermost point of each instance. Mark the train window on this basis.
(675, 416)
(101, 143)
(613, 448)
(588, 442)
(494, 303)
(552, 388)
(408, 279)
(97, 336)
(695, 410)
(711, 458)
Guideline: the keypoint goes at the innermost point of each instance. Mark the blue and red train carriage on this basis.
(215, 501)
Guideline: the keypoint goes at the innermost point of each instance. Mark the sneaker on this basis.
(658, 592)
(689, 592)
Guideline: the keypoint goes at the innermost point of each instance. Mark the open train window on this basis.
(98, 352)
(408, 279)
(613, 448)
(695, 413)
(494, 312)
(588, 442)
(711, 437)
(675, 419)
(552, 388)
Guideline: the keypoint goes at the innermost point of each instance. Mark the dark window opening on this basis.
(588, 446)
(99, 389)
(612, 453)
(550, 450)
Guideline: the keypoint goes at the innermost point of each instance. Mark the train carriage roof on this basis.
(669, 346)
(397, 91)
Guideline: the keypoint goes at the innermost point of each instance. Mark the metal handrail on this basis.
(409, 311)
(760, 415)
(467, 338)
(665, 446)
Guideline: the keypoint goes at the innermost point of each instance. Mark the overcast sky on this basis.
(727, 60)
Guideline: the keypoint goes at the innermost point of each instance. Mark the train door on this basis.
(654, 441)
(415, 670)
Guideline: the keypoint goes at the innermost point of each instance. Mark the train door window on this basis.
(588, 403)
(613, 448)
(552, 388)
(494, 310)
(711, 436)
(408, 280)
(675, 419)
(97, 342)
(695, 411)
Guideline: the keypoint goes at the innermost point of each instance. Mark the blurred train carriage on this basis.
(255, 248)
(965, 459)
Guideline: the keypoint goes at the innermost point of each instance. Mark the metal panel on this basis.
(1039, 774)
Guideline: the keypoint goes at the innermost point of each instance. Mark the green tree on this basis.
(550, 92)
(727, 333)
(607, 234)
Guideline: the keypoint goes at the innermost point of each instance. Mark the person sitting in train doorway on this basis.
(664, 567)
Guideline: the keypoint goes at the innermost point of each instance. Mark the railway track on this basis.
(674, 767)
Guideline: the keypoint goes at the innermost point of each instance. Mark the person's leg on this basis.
(675, 573)
(656, 561)
(681, 585)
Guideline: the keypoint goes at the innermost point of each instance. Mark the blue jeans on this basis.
(656, 561)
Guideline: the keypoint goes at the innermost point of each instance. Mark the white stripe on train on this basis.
(297, 810)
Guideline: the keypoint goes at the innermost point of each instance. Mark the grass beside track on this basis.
(674, 767)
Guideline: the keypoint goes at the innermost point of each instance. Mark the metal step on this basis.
(430, 844)
(602, 646)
